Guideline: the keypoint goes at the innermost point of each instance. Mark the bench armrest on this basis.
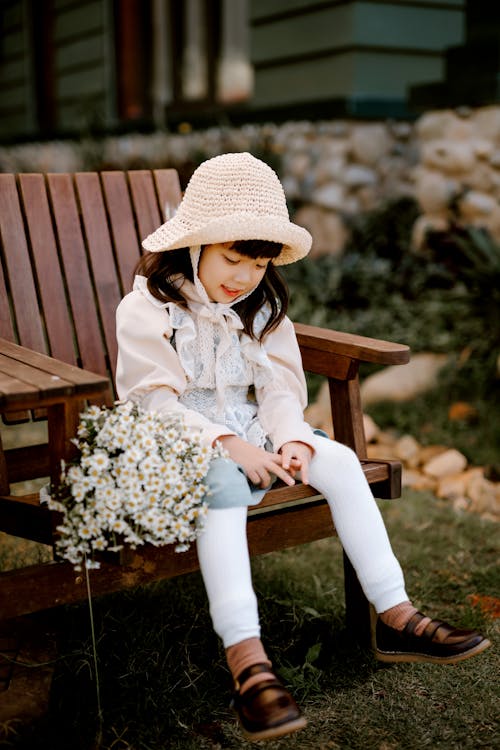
(350, 345)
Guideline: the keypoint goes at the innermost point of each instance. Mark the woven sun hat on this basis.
(228, 198)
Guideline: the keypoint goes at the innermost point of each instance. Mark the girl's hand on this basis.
(257, 463)
(297, 456)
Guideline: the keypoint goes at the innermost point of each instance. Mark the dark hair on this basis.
(164, 271)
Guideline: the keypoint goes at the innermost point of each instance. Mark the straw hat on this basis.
(232, 197)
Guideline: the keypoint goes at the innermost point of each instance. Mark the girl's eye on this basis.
(231, 261)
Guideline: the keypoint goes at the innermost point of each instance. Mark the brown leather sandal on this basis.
(266, 710)
(440, 643)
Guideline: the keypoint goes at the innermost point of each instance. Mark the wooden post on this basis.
(4, 477)
(347, 417)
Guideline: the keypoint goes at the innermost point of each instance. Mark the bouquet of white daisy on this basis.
(139, 478)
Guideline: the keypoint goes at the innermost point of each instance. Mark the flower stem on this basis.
(94, 651)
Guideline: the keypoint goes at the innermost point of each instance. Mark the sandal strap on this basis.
(250, 672)
(412, 623)
(431, 629)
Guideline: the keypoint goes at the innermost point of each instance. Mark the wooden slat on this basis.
(169, 191)
(328, 364)
(123, 229)
(76, 269)
(26, 518)
(6, 327)
(18, 266)
(39, 383)
(144, 201)
(101, 256)
(350, 345)
(83, 382)
(28, 462)
(46, 261)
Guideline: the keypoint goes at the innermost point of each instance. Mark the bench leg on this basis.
(357, 606)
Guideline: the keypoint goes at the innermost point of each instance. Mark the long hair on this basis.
(165, 270)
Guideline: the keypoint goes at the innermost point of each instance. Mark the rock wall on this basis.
(331, 170)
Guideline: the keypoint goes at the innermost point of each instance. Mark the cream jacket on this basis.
(150, 368)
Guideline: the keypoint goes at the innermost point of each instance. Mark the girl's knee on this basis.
(227, 485)
(324, 446)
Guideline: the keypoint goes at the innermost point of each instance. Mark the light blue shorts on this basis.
(229, 487)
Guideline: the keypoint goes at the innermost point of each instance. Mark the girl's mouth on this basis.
(231, 292)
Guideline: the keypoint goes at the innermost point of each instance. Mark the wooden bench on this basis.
(69, 246)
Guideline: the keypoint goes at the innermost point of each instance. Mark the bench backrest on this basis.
(69, 244)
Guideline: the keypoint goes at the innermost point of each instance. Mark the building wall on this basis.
(365, 52)
(17, 106)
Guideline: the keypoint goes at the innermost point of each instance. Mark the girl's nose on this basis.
(242, 274)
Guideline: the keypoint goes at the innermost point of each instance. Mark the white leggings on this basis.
(336, 472)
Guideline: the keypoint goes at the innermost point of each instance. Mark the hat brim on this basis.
(174, 234)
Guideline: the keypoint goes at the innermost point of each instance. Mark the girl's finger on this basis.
(284, 475)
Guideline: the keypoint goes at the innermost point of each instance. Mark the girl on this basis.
(205, 333)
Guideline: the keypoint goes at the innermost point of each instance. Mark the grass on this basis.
(164, 683)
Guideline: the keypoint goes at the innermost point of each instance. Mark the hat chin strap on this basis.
(195, 255)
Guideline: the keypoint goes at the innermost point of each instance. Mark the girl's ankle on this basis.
(398, 617)
(241, 657)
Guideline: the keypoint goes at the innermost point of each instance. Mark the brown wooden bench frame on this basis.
(69, 246)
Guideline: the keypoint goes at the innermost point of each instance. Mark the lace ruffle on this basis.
(220, 362)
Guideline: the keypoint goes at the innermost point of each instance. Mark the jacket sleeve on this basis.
(283, 400)
(148, 369)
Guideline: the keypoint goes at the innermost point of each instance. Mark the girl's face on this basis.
(226, 274)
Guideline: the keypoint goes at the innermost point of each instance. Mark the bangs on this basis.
(258, 248)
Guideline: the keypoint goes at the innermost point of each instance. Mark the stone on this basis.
(475, 204)
(380, 450)
(433, 192)
(407, 450)
(449, 462)
(494, 158)
(416, 480)
(331, 168)
(369, 143)
(450, 157)
(356, 175)
(291, 187)
(328, 229)
(331, 195)
(401, 130)
(483, 148)
(487, 122)
(403, 382)
(452, 486)
(430, 451)
(298, 164)
(485, 496)
(434, 125)
(370, 428)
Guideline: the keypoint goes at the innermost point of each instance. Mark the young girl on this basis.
(205, 333)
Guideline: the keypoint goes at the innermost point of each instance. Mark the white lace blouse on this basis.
(199, 362)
